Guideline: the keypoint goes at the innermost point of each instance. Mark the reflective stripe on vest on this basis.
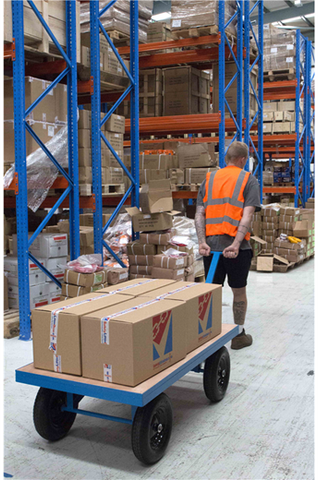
(224, 201)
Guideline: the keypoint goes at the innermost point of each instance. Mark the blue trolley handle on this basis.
(214, 264)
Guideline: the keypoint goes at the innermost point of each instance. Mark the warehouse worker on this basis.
(226, 203)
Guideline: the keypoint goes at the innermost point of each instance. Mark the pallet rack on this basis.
(20, 126)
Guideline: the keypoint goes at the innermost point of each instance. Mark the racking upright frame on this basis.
(96, 125)
(310, 122)
(20, 126)
(238, 76)
(248, 67)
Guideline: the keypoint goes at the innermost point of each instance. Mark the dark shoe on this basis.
(241, 340)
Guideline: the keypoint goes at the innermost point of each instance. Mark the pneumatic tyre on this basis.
(216, 375)
(151, 430)
(49, 420)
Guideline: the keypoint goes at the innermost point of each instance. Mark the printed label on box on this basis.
(179, 261)
(108, 377)
(289, 59)
(50, 131)
(290, 47)
(180, 272)
(274, 50)
(57, 363)
(104, 330)
(122, 276)
(176, 23)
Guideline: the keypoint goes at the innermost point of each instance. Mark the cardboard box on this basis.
(117, 275)
(268, 116)
(56, 331)
(204, 309)
(285, 106)
(156, 196)
(141, 260)
(116, 124)
(135, 288)
(54, 293)
(287, 245)
(151, 221)
(84, 120)
(46, 245)
(141, 270)
(116, 140)
(163, 248)
(271, 211)
(85, 279)
(291, 211)
(137, 248)
(134, 276)
(64, 226)
(302, 228)
(5, 294)
(87, 219)
(265, 262)
(136, 344)
(53, 265)
(278, 116)
(155, 161)
(84, 138)
(168, 273)
(85, 175)
(270, 106)
(38, 295)
(193, 156)
(197, 175)
(86, 236)
(155, 238)
(267, 127)
(10, 266)
(163, 261)
(72, 291)
(176, 176)
(114, 176)
(85, 157)
(147, 174)
(257, 244)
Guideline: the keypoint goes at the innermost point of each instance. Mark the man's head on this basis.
(237, 154)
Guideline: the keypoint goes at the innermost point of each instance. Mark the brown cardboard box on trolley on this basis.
(204, 309)
(156, 196)
(58, 327)
(85, 279)
(150, 222)
(136, 288)
(136, 343)
(169, 273)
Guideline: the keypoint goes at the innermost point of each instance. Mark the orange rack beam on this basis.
(9, 50)
(183, 42)
(279, 190)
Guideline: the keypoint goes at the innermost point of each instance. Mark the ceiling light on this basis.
(161, 16)
(298, 3)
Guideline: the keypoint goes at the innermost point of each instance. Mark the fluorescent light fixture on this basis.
(291, 20)
(161, 16)
(310, 15)
(298, 3)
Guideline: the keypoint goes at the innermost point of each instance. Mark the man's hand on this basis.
(204, 249)
(232, 251)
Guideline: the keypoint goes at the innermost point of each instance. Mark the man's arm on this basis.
(199, 221)
(233, 250)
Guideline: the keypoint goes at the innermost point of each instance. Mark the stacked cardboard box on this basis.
(194, 13)
(310, 203)
(305, 230)
(127, 334)
(51, 251)
(186, 91)
(159, 32)
(256, 226)
(279, 48)
(287, 220)
(76, 284)
(270, 225)
(108, 60)
(293, 252)
(113, 130)
(46, 118)
(196, 160)
(279, 117)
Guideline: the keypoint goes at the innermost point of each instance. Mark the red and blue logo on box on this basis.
(205, 320)
(162, 337)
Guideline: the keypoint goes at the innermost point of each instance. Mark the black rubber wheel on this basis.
(151, 430)
(216, 375)
(49, 420)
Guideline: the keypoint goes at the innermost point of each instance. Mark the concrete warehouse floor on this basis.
(263, 429)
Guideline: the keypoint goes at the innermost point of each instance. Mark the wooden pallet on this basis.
(189, 187)
(280, 74)
(201, 32)
(11, 323)
(116, 189)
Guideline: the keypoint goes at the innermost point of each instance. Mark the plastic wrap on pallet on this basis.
(198, 13)
(118, 235)
(184, 232)
(41, 172)
(114, 19)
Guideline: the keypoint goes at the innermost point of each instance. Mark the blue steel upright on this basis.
(20, 168)
(237, 77)
(310, 116)
(21, 125)
(248, 68)
(96, 27)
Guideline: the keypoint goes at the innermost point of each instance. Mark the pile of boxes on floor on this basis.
(129, 333)
(188, 166)
(282, 236)
(113, 130)
(152, 256)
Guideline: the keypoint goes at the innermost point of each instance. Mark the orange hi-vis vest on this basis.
(224, 201)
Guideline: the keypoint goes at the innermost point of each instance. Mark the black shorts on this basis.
(236, 269)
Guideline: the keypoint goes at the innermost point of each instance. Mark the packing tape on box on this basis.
(57, 363)
(105, 320)
(119, 290)
(55, 318)
(181, 289)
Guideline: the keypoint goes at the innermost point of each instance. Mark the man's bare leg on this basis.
(239, 312)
